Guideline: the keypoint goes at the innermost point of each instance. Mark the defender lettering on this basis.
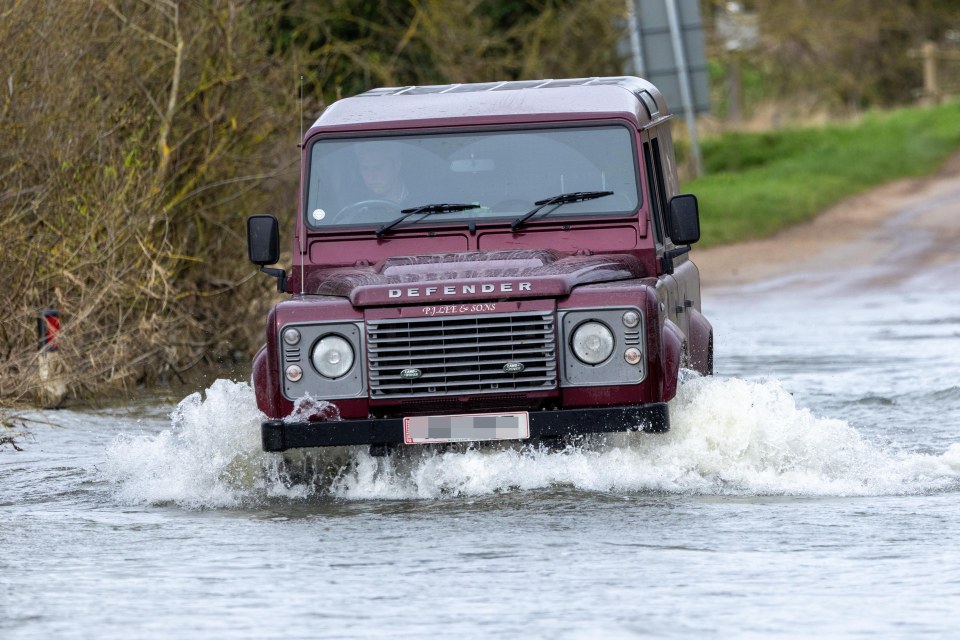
(465, 289)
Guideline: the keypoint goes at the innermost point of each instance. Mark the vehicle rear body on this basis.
(498, 261)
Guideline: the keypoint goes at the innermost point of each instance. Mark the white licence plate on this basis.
(466, 428)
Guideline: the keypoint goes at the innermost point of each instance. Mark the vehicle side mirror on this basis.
(263, 240)
(683, 221)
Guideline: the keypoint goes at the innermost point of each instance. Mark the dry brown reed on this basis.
(134, 137)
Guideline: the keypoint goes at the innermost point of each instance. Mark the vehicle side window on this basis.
(654, 171)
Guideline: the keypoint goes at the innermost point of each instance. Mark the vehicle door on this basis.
(657, 185)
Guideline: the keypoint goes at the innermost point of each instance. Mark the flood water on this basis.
(812, 487)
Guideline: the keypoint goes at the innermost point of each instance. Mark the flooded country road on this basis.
(812, 487)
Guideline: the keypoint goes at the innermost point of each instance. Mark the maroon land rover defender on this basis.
(476, 262)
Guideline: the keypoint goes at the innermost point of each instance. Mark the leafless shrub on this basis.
(135, 136)
(131, 148)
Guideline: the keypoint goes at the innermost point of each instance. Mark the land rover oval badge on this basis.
(513, 367)
(411, 374)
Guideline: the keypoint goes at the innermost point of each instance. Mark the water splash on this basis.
(308, 408)
(728, 437)
(210, 457)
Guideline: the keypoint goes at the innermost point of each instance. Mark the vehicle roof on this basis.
(628, 96)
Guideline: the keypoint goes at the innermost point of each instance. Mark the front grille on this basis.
(462, 355)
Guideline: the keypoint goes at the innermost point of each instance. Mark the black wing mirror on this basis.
(263, 246)
(683, 221)
(263, 240)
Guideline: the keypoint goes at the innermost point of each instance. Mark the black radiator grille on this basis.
(462, 355)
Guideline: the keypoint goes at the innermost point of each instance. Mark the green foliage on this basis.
(755, 84)
(849, 53)
(351, 46)
(759, 183)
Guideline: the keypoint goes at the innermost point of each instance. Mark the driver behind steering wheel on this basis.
(380, 164)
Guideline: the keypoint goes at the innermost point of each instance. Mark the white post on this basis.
(685, 91)
(635, 50)
(931, 86)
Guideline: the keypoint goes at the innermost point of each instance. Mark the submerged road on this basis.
(810, 488)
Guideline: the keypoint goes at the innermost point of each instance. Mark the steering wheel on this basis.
(364, 206)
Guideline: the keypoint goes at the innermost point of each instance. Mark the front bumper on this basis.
(279, 435)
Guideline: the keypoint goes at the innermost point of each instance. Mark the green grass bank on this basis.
(759, 183)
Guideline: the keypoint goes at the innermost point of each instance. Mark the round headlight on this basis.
(592, 342)
(332, 356)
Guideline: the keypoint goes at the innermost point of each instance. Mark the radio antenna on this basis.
(303, 243)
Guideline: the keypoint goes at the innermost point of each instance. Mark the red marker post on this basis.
(53, 388)
(48, 329)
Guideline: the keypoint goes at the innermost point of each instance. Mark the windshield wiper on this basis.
(557, 201)
(426, 210)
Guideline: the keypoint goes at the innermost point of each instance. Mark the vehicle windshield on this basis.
(368, 181)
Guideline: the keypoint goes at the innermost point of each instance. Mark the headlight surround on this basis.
(332, 356)
(592, 342)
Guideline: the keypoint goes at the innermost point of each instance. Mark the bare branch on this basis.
(126, 21)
